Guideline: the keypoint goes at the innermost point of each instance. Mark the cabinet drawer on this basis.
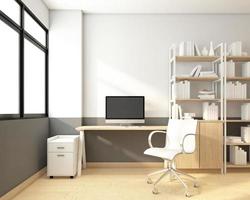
(55, 147)
(61, 164)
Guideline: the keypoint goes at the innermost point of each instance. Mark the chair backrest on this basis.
(176, 131)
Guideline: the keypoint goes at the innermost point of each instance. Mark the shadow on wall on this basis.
(64, 126)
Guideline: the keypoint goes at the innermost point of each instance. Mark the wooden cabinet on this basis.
(211, 145)
(190, 161)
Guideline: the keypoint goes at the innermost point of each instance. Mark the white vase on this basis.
(204, 51)
(211, 49)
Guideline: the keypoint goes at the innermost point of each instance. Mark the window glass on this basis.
(9, 70)
(11, 9)
(34, 29)
(34, 79)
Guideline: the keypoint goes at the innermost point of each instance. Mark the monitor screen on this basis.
(124, 107)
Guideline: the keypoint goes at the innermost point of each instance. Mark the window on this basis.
(11, 9)
(23, 62)
(34, 81)
(33, 28)
(9, 70)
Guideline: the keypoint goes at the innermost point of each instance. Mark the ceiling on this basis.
(154, 6)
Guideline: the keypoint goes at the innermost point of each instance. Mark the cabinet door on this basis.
(211, 145)
(189, 161)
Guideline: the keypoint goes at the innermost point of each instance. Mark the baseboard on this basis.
(12, 193)
(125, 164)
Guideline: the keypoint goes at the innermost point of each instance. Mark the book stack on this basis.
(210, 111)
(186, 48)
(245, 134)
(236, 90)
(237, 156)
(245, 111)
(206, 94)
(182, 90)
(234, 139)
(246, 69)
(230, 68)
(208, 74)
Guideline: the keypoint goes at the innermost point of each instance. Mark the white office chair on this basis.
(180, 139)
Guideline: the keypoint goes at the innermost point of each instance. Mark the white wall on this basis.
(128, 54)
(65, 64)
(39, 8)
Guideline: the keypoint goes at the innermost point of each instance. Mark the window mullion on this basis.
(21, 57)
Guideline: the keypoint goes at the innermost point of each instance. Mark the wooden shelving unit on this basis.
(227, 120)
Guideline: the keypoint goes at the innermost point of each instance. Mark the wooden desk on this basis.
(82, 129)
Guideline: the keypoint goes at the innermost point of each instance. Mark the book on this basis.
(197, 73)
(197, 51)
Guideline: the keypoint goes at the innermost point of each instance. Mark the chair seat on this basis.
(164, 153)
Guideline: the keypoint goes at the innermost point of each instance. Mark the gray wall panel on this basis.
(23, 147)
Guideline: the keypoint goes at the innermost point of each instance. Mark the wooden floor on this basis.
(130, 184)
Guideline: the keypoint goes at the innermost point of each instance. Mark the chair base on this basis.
(174, 174)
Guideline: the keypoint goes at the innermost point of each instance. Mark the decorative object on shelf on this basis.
(245, 69)
(196, 50)
(208, 74)
(211, 49)
(245, 111)
(204, 51)
(189, 115)
(236, 90)
(186, 48)
(230, 68)
(237, 156)
(245, 134)
(196, 71)
(210, 111)
(235, 49)
(206, 94)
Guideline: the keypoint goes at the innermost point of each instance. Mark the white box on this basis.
(62, 151)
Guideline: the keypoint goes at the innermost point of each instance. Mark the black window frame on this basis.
(23, 34)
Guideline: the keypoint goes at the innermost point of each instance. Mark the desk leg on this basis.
(81, 154)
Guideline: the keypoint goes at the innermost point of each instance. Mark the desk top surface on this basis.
(120, 128)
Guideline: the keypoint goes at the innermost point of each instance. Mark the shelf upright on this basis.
(172, 78)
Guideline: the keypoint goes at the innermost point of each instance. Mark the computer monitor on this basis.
(125, 109)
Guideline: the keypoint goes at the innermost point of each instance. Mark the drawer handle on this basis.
(60, 147)
(60, 155)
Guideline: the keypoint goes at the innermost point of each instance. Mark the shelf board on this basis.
(238, 100)
(237, 143)
(196, 58)
(238, 78)
(237, 120)
(197, 100)
(229, 165)
(180, 78)
(239, 58)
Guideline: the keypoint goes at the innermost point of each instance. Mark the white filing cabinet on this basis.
(62, 153)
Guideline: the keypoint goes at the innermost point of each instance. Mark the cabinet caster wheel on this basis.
(149, 181)
(71, 177)
(51, 177)
(187, 194)
(155, 191)
(196, 185)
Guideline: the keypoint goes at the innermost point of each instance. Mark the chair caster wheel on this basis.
(149, 181)
(196, 185)
(155, 191)
(187, 194)
(51, 177)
